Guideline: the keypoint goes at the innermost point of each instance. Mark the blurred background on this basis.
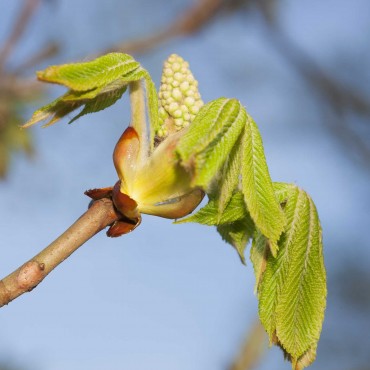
(176, 296)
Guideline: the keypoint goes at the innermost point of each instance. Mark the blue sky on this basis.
(176, 296)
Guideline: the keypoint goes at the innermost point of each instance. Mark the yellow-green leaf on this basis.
(90, 75)
(292, 287)
(258, 189)
(209, 215)
(238, 234)
(211, 137)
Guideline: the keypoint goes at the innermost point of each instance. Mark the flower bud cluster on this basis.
(179, 98)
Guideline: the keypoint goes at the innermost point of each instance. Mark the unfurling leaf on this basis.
(214, 132)
(90, 75)
(208, 215)
(234, 224)
(292, 287)
(257, 187)
(230, 177)
(101, 102)
(94, 85)
(224, 146)
(238, 234)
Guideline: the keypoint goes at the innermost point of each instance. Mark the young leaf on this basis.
(283, 191)
(230, 177)
(234, 224)
(209, 215)
(54, 111)
(101, 102)
(257, 187)
(292, 287)
(238, 234)
(197, 133)
(90, 75)
(207, 144)
(93, 100)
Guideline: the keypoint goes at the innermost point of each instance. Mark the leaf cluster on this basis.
(93, 86)
(224, 150)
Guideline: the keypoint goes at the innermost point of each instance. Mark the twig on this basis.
(19, 27)
(340, 97)
(192, 20)
(100, 215)
(252, 348)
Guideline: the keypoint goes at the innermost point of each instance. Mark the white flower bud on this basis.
(189, 101)
(179, 98)
(184, 86)
(176, 66)
(162, 113)
(177, 113)
(168, 72)
(166, 94)
(173, 106)
(178, 76)
(176, 94)
(179, 121)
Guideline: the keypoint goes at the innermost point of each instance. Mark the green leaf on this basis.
(96, 85)
(210, 138)
(292, 287)
(238, 234)
(259, 253)
(209, 215)
(93, 100)
(102, 101)
(199, 129)
(54, 111)
(258, 189)
(90, 75)
(283, 191)
(230, 177)
(223, 145)
(235, 225)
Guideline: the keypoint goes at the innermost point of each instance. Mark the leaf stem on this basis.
(101, 214)
(138, 116)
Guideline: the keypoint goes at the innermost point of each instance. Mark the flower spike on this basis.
(179, 98)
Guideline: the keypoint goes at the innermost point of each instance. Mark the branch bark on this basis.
(100, 215)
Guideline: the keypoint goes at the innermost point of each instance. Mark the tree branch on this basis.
(252, 348)
(24, 16)
(189, 21)
(100, 215)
